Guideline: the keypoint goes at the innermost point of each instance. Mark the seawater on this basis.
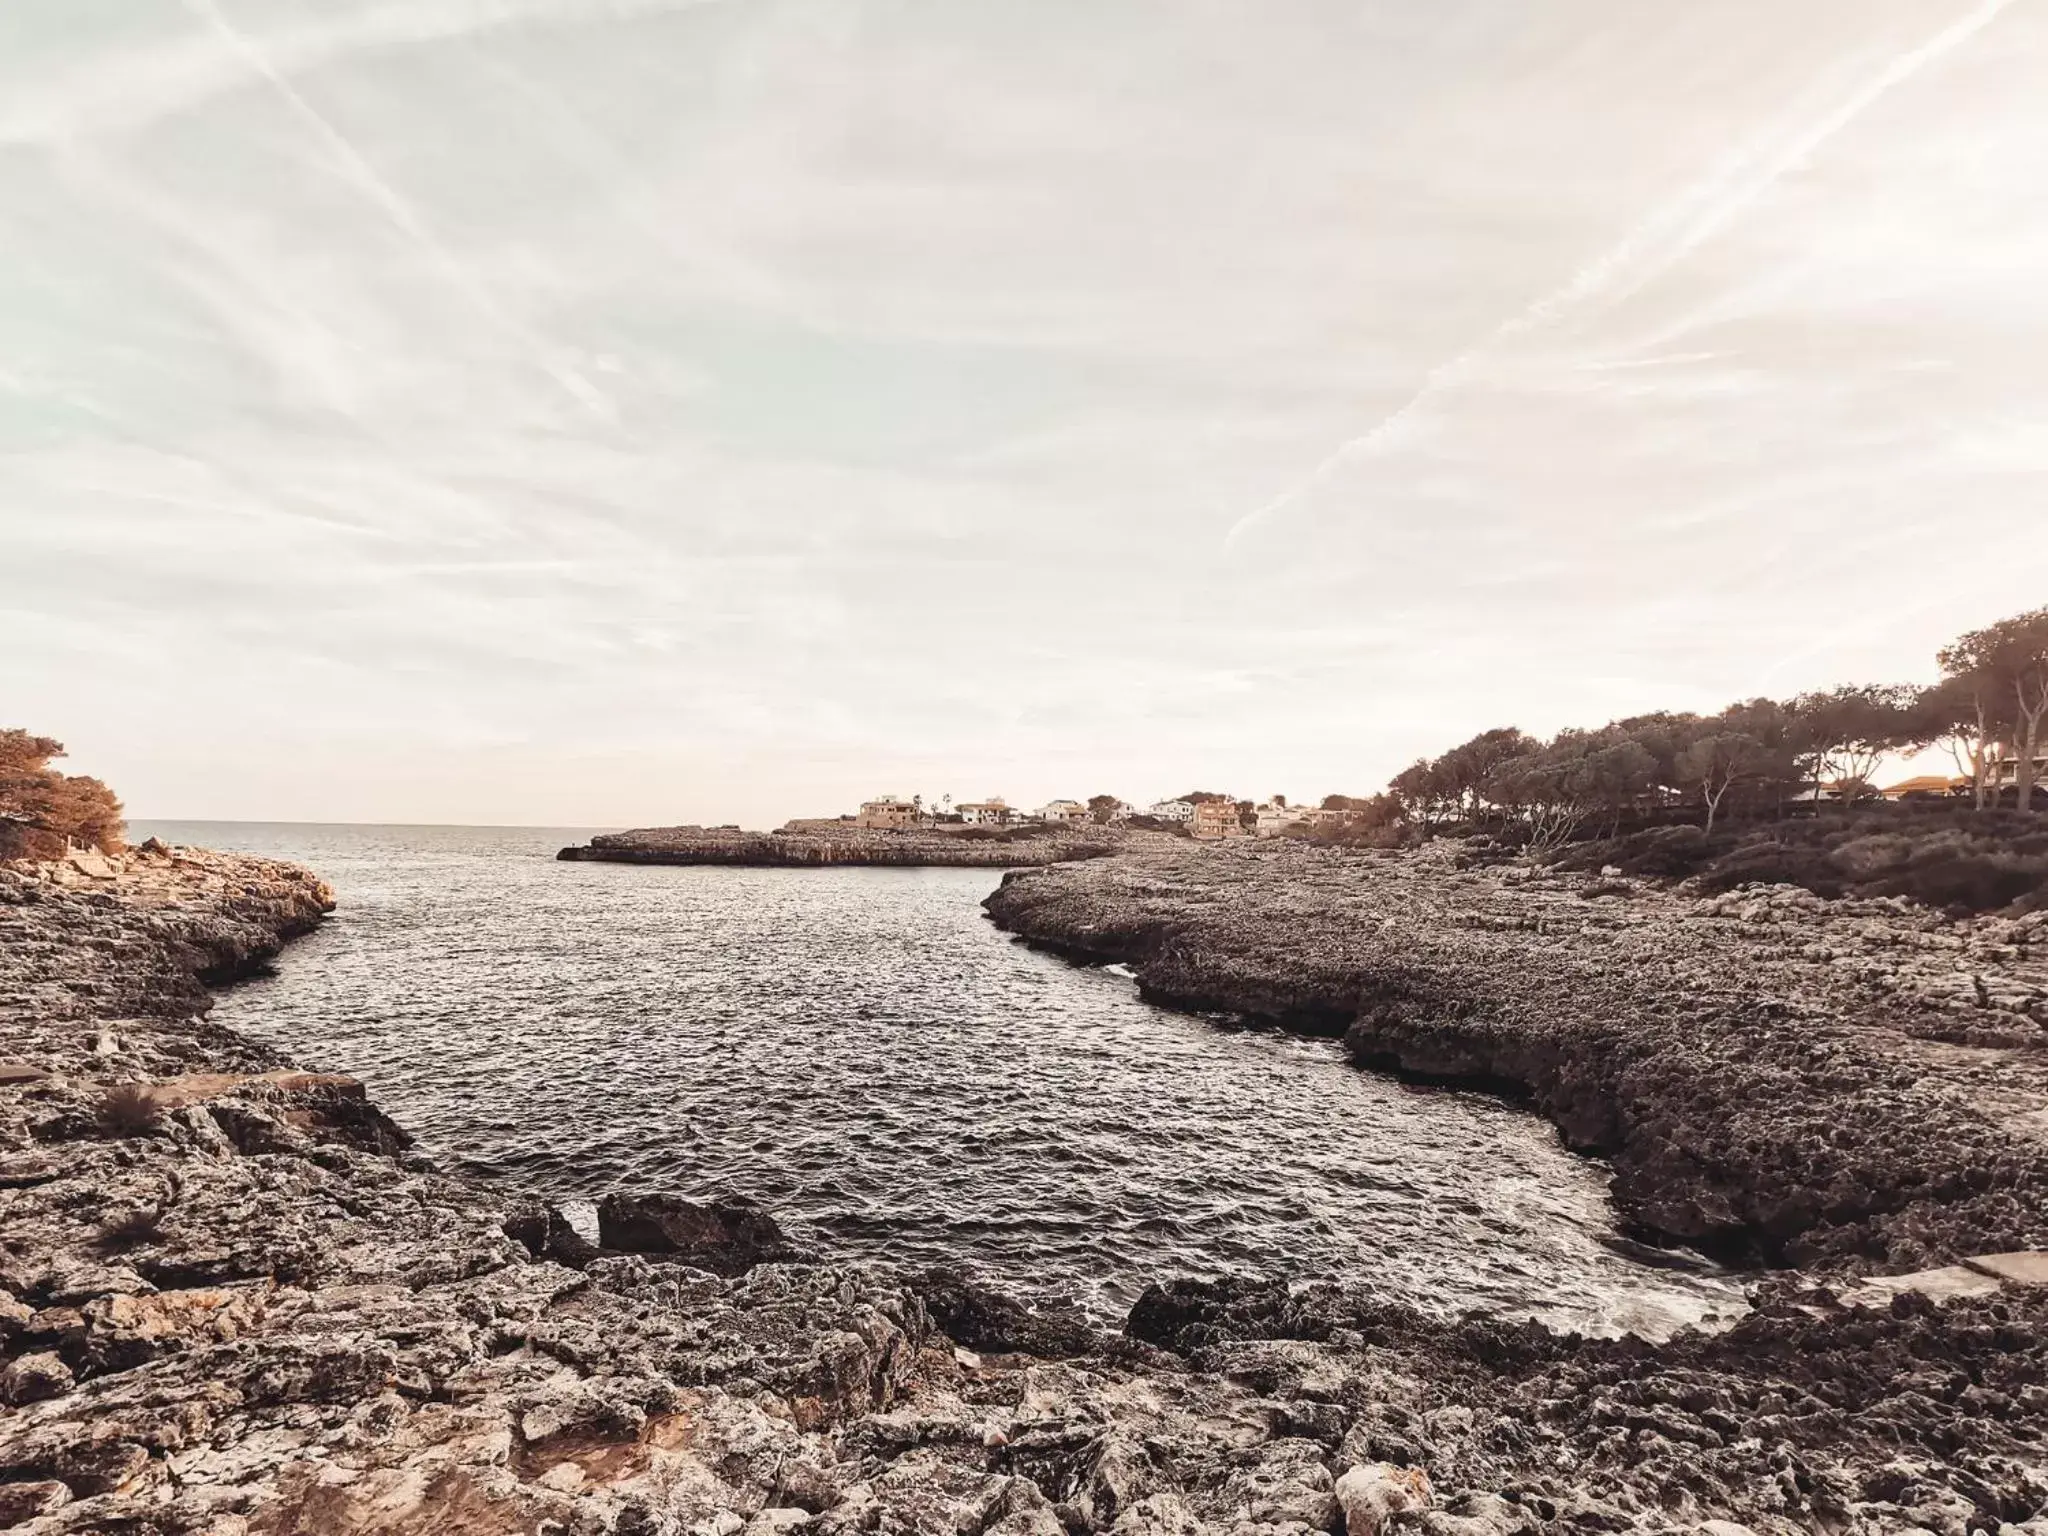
(863, 1052)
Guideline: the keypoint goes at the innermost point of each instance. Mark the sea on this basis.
(865, 1054)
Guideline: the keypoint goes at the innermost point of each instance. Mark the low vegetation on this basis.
(127, 1110)
(1952, 858)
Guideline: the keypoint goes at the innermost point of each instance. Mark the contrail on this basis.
(400, 213)
(1648, 250)
(124, 93)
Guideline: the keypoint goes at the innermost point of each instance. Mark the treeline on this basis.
(44, 812)
(1756, 758)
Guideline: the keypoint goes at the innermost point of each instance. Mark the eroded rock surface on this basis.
(232, 1302)
(1860, 1084)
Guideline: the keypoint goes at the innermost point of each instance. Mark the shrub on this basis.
(127, 1110)
(1943, 856)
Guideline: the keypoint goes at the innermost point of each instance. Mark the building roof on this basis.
(1925, 784)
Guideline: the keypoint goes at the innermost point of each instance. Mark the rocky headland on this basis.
(828, 843)
(1848, 1085)
(233, 1300)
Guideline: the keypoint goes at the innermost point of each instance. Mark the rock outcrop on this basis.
(726, 1236)
(966, 847)
(1861, 1084)
(234, 1303)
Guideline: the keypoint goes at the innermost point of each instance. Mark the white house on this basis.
(1274, 818)
(1063, 810)
(887, 812)
(1172, 810)
(992, 812)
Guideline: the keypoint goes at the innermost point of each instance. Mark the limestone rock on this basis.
(32, 1378)
(1371, 1496)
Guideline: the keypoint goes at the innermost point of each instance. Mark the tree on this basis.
(1423, 793)
(1465, 769)
(1615, 776)
(2010, 658)
(1715, 763)
(1549, 790)
(1961, 713)
(43, 811)
(83, 810)
(1773, 774)
(1846, 732)
(1101, 808)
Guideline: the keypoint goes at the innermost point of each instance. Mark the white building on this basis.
(993, 812)
(887, 813)
(1274, 818)
(1172, 810)
(1063, 810)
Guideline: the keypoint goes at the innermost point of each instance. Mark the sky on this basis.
(607, 412)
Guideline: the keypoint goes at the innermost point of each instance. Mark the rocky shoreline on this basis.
(847, 845)
(232, 1301)
(1849, 1085)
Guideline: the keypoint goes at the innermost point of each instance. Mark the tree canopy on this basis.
(1756, 757)
(42, 811)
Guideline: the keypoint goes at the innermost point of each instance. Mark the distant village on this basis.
(1207, 816)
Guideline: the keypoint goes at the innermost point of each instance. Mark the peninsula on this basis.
(818, 843)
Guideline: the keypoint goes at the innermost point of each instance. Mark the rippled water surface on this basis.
(863, 1052)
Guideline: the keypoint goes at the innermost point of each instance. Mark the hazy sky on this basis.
(606, 411)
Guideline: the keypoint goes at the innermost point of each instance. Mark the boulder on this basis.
(35, 1377)
(984, 1318)
(26, 1501)
(727, 1234)
(1370, 1496)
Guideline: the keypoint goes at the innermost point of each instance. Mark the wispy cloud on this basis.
(364, 177)
(939, 337)
(151, 83)
(1649, 249)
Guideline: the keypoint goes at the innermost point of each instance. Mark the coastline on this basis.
(1847, 1086)
(847, 845)
(257, 1312)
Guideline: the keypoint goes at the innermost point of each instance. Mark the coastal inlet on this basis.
(861, 1051)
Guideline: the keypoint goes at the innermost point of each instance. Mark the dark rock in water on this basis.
(544, 1232)
(1179, 1314)
(982, 1317)
(727, 1235)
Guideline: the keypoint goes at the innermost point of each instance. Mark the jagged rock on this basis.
(21, 1502)
(1755, 1100)
(274, 1323)
(1371, 1496)
(1285, 1483)
(982, 1317)
(728, 1235)
(546, 1233)
(31, 1378)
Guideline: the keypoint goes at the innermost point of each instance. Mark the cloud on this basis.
(166, 77)
(1648, 250)
(941, 340)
